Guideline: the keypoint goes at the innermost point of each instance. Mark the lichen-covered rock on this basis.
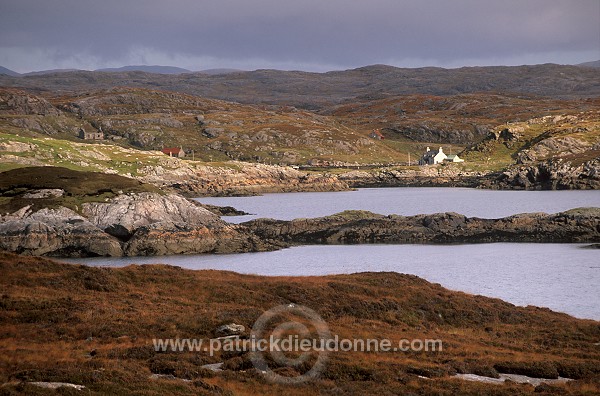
(128, 212)
(54, 232)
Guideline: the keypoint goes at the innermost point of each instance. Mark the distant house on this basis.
(95, 135)
(174, 152)
(432, 157)
(453, 158)
(375, 134)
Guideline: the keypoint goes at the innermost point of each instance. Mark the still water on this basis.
(563, 277)
(407, 201)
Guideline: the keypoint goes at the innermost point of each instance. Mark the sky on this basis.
(310, 35)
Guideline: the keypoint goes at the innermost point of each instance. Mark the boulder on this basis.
(124, 214)
(229, 330)
(55, 232)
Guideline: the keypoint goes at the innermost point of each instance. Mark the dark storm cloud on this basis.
(317, 34)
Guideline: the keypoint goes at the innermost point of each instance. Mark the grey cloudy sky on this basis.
(314, 35)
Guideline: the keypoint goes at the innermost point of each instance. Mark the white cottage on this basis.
(432, 157)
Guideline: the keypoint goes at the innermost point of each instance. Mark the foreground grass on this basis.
(94, 327)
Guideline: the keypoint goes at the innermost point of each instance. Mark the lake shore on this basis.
(94, 327)
(64, 213)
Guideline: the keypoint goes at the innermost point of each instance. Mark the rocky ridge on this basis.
(352, 227)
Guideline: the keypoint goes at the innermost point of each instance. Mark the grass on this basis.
(79, 187)
(53, 315)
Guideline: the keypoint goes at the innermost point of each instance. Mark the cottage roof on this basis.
(171, 150)
(377, 133)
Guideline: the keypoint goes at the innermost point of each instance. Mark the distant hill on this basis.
(148, 69)
(8, 72)
(220, 71)
(51, 71)
(590, 64)
(316, 91)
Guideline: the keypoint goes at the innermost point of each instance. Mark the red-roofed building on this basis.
(174, 152)
(376, 134)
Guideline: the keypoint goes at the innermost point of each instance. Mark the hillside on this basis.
(94, 327)
(574, 138)
(319, 90)
(188, 177)
(410, 123)
(213, 130)
(590, 64)
(8, 72)
(216, 130)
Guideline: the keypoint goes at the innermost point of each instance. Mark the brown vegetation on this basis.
(94, 327)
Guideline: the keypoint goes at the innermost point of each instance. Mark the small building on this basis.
(174, 152)
(376, 134)
(454, 158)
(432, 157)
(95, 135)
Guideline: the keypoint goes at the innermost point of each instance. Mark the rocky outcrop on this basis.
(238, 178)
(548, 175)
(134, 224)
(553, 148)
(126, 213)
(16, 102)
(352, 227)
(55, 232)
(425, 176)
(166, 238)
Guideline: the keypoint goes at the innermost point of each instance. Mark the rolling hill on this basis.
(214, 130)
(8, 72)
(316, 91)
(148, 69)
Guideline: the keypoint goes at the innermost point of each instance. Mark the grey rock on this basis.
(548, 175)
(167, 377)
(44, 193)
(216, 367)
(54, 232)
(579, 225)
(166, 238)
(126, 213)
(230, 329)
(56, 385)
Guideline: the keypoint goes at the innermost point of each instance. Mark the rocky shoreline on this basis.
(63, 213)
(262, 179)
(144, 224)
(355, 227)
(237, 179)
(546, 175)
(149, 224)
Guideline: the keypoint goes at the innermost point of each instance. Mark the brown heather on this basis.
(52, 315)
